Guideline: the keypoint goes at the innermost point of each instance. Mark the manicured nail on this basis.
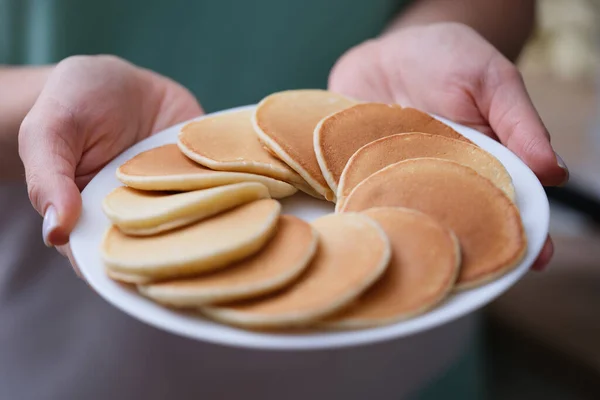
(49, 225)
(563, 166)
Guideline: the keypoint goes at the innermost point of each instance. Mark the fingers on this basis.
(545, 256)
(48, 144)
(506, 105)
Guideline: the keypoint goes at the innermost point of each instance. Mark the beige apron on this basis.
(61, 341)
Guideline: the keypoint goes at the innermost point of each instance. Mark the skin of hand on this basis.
(450, 70)
(90, 110)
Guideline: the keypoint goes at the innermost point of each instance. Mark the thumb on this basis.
(50, 149)
(512, 116)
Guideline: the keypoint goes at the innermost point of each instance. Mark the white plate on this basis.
(86, 238)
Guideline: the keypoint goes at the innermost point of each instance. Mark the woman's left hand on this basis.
(448, 69)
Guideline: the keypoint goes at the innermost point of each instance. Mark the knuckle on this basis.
(508, 70)
(501, 71)
(532, 144)
(34, 191)
(526, 144)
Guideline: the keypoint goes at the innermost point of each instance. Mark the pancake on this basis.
(205, 246)
(353, 253)
(423, 269)
(285, 123)
(167, 168)
(130, 279)
(227, 142)
(340, 135)
(391, 149)
(143, 213)
(486, 222)
(278, 264)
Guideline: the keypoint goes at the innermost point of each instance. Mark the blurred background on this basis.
(543, 336)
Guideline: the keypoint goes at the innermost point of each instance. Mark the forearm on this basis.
(506, 24)
(19, 88)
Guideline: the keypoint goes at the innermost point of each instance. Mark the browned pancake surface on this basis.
(228, 142)
(167, 168)
(379, 154)
(340, 135)
(287, 121)
(484, 219)
(161, 161)
(423, 268)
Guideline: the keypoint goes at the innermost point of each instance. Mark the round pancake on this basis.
(143, 213)
(486, 222)
(340, 135)
(353, 253)
(278, 264)
(227, 142)
(205, 246)
(391, 149)
(285, 123)
(423, 269)
(167, 168)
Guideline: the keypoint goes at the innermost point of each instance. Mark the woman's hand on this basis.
(448, 69)
(90, 110)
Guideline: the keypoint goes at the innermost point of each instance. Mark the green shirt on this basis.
(227, 53)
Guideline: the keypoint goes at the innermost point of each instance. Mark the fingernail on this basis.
(563, 166)
(49, 225)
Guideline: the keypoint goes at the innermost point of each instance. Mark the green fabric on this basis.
(227, 53)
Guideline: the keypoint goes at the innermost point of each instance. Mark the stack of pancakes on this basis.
(420, 212)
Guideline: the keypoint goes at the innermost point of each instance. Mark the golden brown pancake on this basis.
(205, 246)
(285, 123)
(143, 213)
(167, 168)
(353, 253)
(391, 149)
(486, 222)
(340, 135)
(227, 142)
(423, 269)
(277, 265)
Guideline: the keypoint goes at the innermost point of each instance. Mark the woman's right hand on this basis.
(90, 110)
